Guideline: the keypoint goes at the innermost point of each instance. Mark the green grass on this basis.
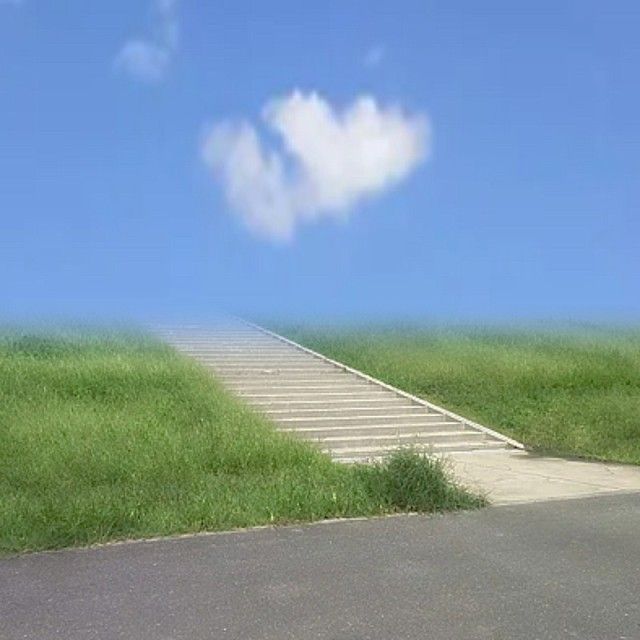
(106, 437)
(570, 392)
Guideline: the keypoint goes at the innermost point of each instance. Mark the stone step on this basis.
(244, 345)
(346, 411)
(369, 453)
(225, 337)
(289, 403)
(273, 362)
(388, 420)
(314, 384)
(250, 390)
(278, 377)
(359, 431)
(315, 395)
(202, 339)
(435, 440)
(225, 369)
(250, 354)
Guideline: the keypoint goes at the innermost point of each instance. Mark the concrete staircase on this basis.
(348, 414)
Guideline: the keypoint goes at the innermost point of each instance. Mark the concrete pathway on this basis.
(357, 418)
(541, 571)
(518, 476)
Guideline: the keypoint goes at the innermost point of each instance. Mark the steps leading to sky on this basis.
(348, 414)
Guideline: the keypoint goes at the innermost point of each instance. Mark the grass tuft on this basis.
(413, 481)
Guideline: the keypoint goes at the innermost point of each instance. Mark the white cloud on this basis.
(15, 3)
(144, 60)
(330, 160)
(148, 59)
(374, 56)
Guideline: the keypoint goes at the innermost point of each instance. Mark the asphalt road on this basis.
(567, 569)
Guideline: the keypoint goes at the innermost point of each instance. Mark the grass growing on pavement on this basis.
(106, 437)
(572, 392)
(410, 481)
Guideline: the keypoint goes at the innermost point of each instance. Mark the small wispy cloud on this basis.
(374, 56)
(15, 3)
(330, 161)
(148, 59)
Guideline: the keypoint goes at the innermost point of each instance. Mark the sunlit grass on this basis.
(573, 392)
(106, 437)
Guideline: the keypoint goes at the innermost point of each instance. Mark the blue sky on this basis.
(519, 199)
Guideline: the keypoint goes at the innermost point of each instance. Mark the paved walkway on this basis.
(545, 571)
(356, 418)
(519, 476)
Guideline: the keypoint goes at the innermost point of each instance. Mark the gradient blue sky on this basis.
(528, 207)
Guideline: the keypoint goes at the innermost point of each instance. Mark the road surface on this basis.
(547, 570)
